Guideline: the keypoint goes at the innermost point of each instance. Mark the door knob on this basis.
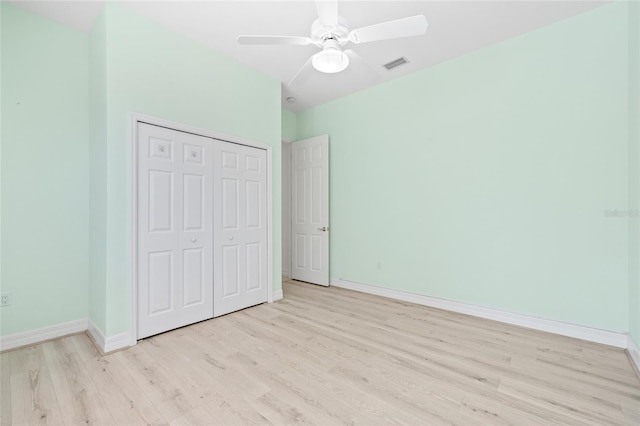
(323, 229)
(193, 240)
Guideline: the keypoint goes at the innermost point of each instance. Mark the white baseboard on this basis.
(96, 335)
(277, 295)
(611, 338)
(286, 274)
(116, 342)
(12, 341)
(634, 351)
(110, 343)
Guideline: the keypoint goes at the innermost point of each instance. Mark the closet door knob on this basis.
(193, 240)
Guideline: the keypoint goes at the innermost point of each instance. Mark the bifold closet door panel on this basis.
(240, 227)
(175, 235)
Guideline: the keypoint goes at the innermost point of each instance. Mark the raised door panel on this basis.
(254, 266)
(300, 248)
(160, 295)
(253, 204)
(315, 253)
(194, 201)
(230, 267)
(230, 204)
(316, 216)
(299, 188)
(194, 276)
(160, 201)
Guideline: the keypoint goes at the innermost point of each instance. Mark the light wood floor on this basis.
(325, 356)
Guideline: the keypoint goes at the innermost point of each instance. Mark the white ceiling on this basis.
(455, 28)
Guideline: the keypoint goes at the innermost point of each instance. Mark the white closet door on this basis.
(240, 227)
(175, 236)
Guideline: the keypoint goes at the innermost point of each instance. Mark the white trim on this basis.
(133, 169)
(96, 335)
(277, 295)
(17, 340)
(286, 271)
(270, 244)
(110, 343)
(612, 338)
(157, 121)
(634, 351)
(115, 342)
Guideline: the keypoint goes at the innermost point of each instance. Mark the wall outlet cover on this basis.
(5, 299)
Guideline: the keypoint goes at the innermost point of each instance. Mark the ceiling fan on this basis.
(330, 32)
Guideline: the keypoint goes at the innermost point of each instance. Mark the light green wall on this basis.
(45, 172)
(155, 71)
(98, 170)
(66, 152)
(485, 182)
(634, 170)
(0, 161)
(485, 179)
(288, 125)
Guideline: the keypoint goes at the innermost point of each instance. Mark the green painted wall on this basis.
(289, 130)
(98, 169)
(81, 89)
(634, 170)
(155, 71)
(45, 171)
(485, 179)
(0, 160)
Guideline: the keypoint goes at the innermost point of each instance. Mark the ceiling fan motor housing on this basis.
(321, 33)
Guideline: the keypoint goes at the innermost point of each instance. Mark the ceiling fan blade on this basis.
(328, 12)
(405, 27)
(303, 74)
(267, 39)
(360, 65)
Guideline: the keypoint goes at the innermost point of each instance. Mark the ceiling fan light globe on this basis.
(330, 61)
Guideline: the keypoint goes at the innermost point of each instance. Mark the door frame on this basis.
(136, 118)
(286, 174)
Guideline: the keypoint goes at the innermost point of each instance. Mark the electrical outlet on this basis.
(5, 299)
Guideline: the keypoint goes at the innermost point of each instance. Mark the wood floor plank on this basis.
(564, 404)
(125, 399)
(5, 389)
(157, 383)
(77, 395)
(32, 392)
(301, 366)
(325, 356)
(199, 415)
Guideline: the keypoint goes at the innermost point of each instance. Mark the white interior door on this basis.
(240, 227)
(310, 210)
(175, 236)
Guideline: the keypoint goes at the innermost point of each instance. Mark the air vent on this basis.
(395, 63)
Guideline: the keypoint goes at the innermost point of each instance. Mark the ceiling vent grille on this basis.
(395, 63)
